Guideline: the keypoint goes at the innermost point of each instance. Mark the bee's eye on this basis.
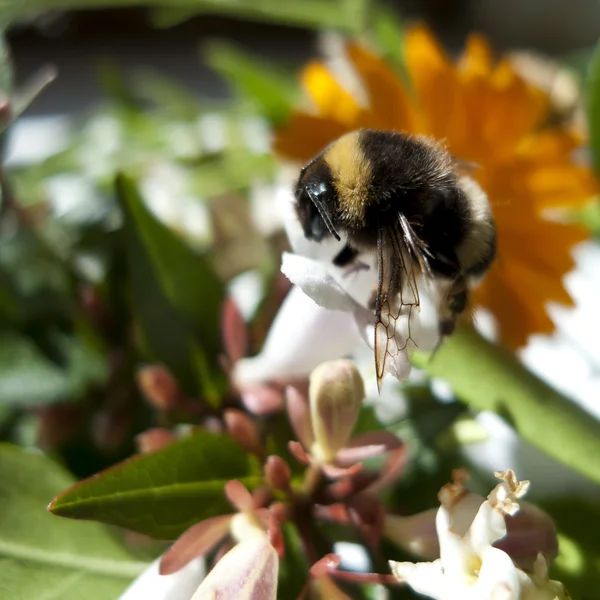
(317, 217)
(320, 189)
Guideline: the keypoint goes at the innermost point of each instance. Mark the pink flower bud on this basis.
(336, 393)
(243, 430)
(154, 439)
(159, 387)
(277, 473)
(235, 334)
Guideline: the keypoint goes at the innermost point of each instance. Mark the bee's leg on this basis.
(454, 305)
(347, 258)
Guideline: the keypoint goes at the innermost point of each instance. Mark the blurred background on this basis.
(164, 92)
(168, 40)
(184, 97)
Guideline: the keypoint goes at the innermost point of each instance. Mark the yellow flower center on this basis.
(473, 567)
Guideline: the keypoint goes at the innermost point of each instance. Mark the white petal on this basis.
(488, 527)
(317, 282)
(354, 557)
(246, 291)
(247, 572)
(498, 577)
(302, 336)
(178, 586)
(455, 553)
(425, 578)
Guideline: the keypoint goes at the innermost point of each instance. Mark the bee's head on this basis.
(316, 201)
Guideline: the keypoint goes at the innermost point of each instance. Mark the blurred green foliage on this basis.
(41, 556)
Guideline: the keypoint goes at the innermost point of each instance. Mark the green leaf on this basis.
(45, 557)
(346, 15)
(489, 377)
(177, 298)
(272, 92)
(6, 91)
(367, 421)
(163, 493)
(29, 376)
(578, 561)
(231, 171)
(27, 94)
(293, 569)
(593, 107)
(388, 36)
(589, 216)
(6, 70)
(39, 282)
(9, 307)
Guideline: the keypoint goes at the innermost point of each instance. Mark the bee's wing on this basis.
(401, 257)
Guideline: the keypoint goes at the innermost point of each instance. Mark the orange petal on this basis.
(390, 104)
(549, 145)
(474, 99)
(331, 99)
(517, 314)
(305, 136)
(560, 186)
(477, 57)
(515, 110)
(544, 245)
(433, 78)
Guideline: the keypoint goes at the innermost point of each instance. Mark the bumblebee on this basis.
(406, 199)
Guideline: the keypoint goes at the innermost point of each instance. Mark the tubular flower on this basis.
(470, 566)
(488, 116)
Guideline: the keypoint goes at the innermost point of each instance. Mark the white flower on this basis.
(177, 586)
(325, 316)
(470, 567)
(302, 336)
(247, 572)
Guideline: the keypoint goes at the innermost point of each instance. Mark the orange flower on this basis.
(488, 115)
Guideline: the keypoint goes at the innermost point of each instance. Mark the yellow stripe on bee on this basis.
(351, 172)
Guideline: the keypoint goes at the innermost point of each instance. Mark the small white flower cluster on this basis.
(470, 567)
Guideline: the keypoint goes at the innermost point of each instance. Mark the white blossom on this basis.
(325, 316)
(177, 586)
(470, 567)
(247, 572)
